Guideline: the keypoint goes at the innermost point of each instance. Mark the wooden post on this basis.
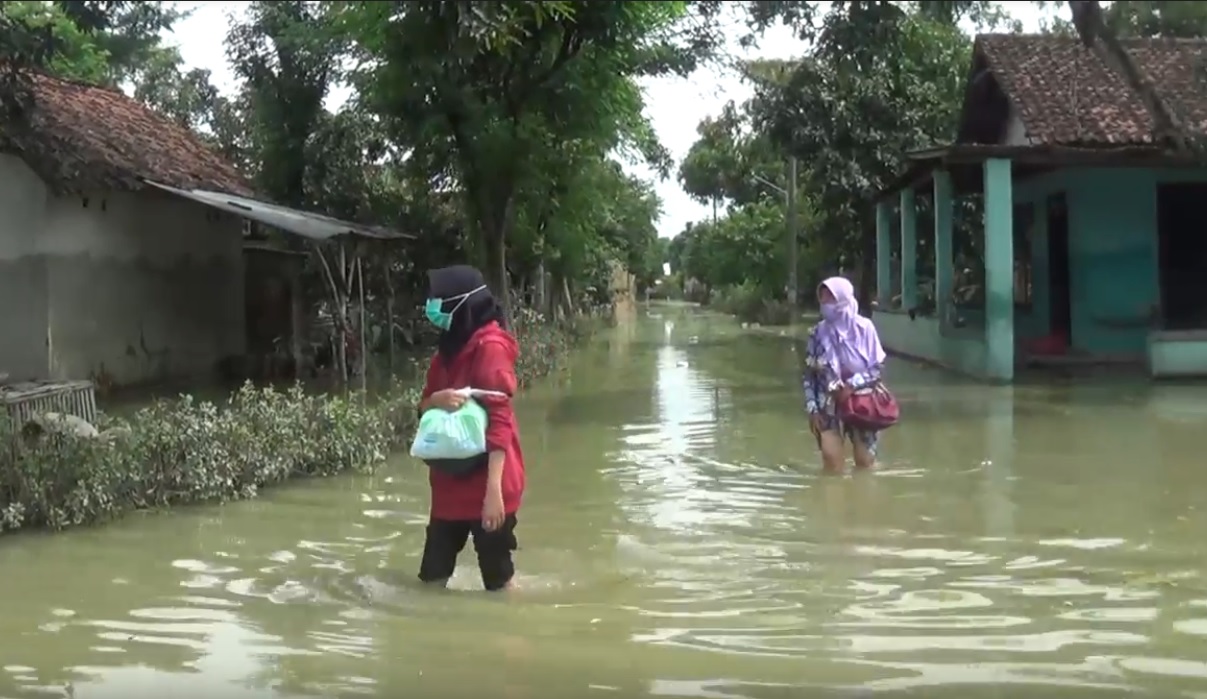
(385, 270)
(364, 351)
(296, 313)
(341, 319)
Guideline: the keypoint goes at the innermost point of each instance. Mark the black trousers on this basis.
(446, 538)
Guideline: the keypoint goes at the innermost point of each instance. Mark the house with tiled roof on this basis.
(122, 241)
(1094, 223)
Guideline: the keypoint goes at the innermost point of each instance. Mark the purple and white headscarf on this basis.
(850, 343)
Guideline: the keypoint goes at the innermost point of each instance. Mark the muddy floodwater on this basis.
(1045, 540)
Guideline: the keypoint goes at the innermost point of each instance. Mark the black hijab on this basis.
(476, 311)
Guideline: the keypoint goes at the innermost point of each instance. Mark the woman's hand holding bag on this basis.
(454, 441)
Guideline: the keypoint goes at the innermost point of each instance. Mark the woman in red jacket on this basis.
(474, 351)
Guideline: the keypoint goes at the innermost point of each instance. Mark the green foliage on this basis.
(881, 79)
(714, 165)
(185, 451)
(750, 303)
(127, 32)
(669, 288)
(1150, 18)
(41, 33)
(287, 63)
(510, 99)
(747, 245)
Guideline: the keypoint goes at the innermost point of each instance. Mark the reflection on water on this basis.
(677, 542)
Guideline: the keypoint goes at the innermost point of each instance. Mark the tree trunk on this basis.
(495, 249)
(494, 214)
(569, 298)
(389, 313)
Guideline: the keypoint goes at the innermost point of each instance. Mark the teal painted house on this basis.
(1093, 233)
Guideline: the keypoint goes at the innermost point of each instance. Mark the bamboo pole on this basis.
(341, 325)
(364, 351)
(385, 268)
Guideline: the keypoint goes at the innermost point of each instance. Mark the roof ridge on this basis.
(43, 74)
(1064, 92)
(1031, 36)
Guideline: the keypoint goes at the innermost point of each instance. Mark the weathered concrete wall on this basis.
(921, 338)
(23, 304)
(142, 287)
(624, 292)
(1177, 354)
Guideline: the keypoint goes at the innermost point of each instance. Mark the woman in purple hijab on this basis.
(843, 354)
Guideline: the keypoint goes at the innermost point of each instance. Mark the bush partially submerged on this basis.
(184, 450)
(752, 304)
(187, 451)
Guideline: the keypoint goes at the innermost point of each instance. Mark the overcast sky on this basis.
(674, 106)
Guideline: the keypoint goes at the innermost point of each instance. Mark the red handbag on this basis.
(870, 408)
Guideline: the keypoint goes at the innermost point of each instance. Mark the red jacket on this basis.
(488, 362)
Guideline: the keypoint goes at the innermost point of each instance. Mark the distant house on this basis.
(1094, 239)
(121, 242)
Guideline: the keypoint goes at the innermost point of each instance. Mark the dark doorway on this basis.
(1182, 241)
(1060, 298)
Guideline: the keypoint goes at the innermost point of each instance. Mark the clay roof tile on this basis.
(1068, 94)
(81, 137)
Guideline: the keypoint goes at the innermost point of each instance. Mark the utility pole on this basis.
(793, 291)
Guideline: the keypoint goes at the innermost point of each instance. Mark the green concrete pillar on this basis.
(884, 254)
(944, 265)
(999, 270)
(909, 250)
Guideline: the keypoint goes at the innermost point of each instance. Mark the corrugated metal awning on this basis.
(303, 223)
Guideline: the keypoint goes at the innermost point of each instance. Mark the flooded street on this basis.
(677, 541)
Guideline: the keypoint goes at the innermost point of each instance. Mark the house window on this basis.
(1024, 230)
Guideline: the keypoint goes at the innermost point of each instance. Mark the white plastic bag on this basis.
(457, 435)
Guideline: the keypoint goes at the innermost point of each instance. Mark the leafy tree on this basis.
(713, 165)
(39, 35)
(120, 43)
(483, 91)
(129, 33)
(287, 64)
(883, 79)
(736, 162)
(1156, 18)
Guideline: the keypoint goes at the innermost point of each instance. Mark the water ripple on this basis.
(677, 541)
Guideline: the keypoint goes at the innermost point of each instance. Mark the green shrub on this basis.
(669, 288)
(188, 451)
(752, 304)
